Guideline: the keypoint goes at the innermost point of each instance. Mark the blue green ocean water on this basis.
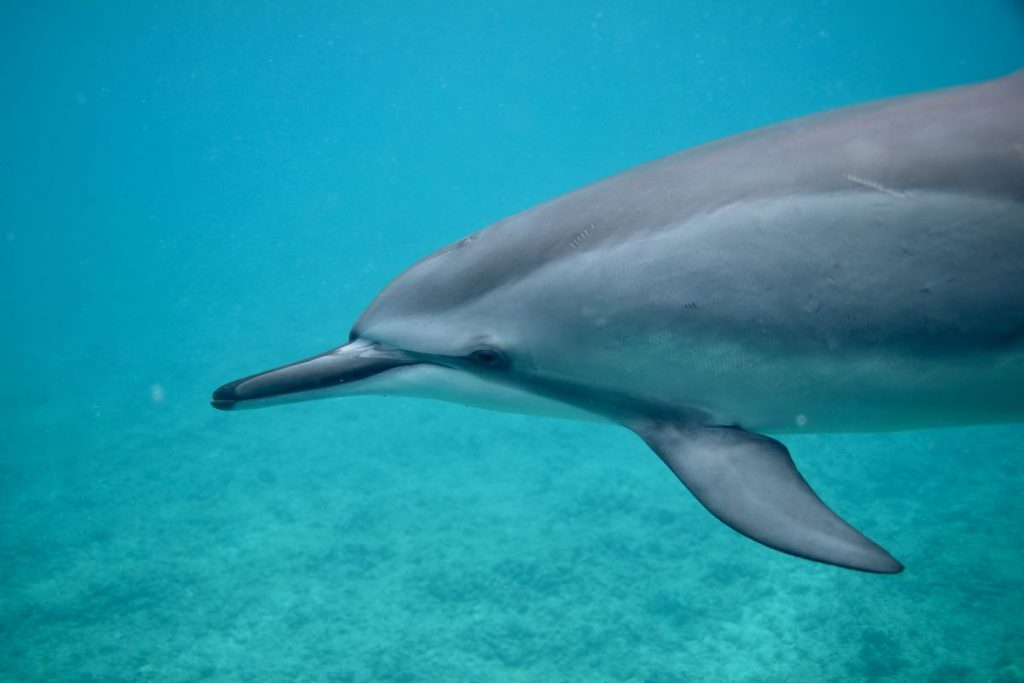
(193, 191)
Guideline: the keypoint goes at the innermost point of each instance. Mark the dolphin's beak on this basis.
(310, 378)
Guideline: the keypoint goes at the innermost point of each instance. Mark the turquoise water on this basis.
(193, 191)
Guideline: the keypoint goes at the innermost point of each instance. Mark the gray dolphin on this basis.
(861, 269)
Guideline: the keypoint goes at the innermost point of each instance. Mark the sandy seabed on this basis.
(394, 540)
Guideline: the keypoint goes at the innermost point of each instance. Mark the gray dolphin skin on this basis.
(858, 270)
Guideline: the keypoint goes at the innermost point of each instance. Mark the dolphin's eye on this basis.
(489, 357)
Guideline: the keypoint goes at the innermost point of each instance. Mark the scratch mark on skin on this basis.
(580, 236)
(877, 186)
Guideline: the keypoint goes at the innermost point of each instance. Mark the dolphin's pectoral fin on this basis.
(749, 482)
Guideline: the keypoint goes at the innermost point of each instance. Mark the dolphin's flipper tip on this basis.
(749, 482)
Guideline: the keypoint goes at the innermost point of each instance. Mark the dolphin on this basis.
(856, 270)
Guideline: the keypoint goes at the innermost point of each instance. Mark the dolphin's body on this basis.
(857, 270)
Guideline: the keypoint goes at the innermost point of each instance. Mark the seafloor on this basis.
(397, 540)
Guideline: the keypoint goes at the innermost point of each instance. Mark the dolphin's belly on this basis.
(863, 392)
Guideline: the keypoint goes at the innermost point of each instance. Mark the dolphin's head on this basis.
(450, 327)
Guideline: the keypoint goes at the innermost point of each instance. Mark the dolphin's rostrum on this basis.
(856, 270)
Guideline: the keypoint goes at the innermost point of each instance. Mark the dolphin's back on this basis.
(967, 140)
(959, 141)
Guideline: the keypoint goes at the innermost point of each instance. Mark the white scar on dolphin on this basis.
(858, 270)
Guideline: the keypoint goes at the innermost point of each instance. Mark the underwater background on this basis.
(194, 191)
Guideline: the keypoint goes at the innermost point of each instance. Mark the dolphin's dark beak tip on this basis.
(225, 397)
